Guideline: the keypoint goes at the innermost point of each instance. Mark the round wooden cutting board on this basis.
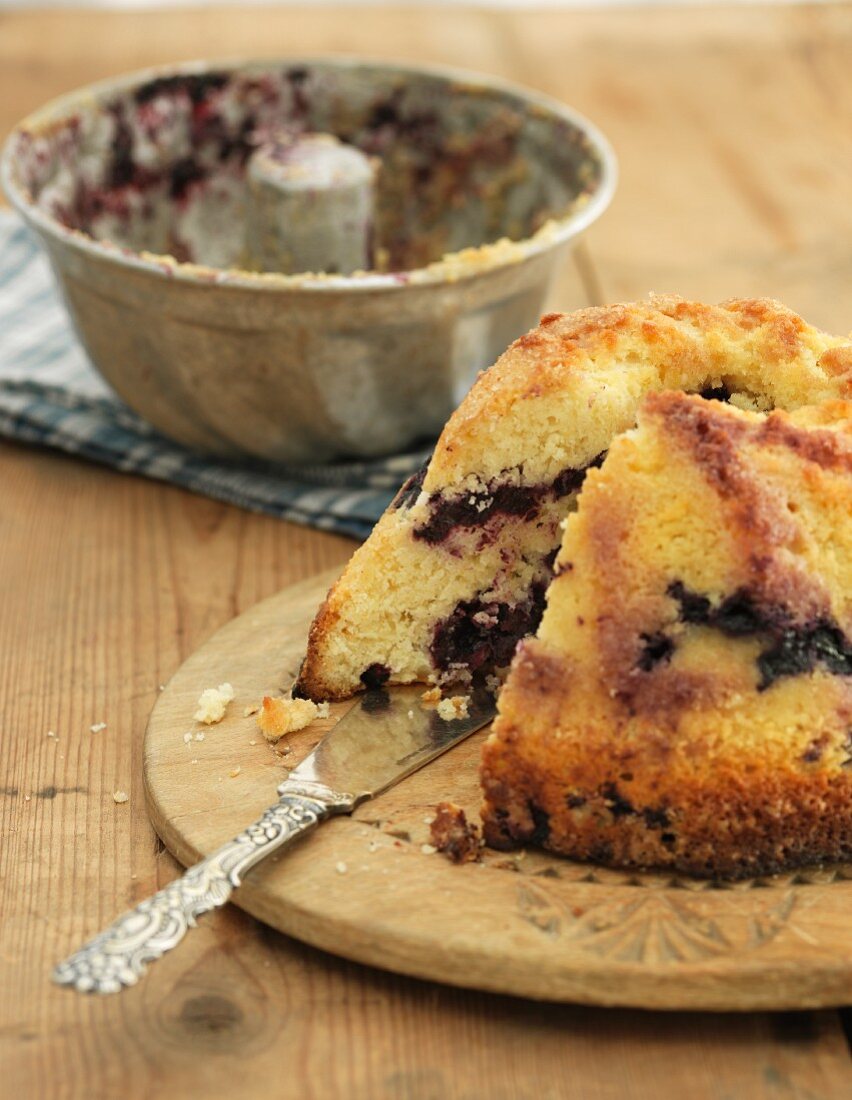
(528, 924)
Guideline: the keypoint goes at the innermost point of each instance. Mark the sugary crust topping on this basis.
(837, 362)
(682, 343)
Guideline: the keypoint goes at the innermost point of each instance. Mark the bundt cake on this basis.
(687, 700)
(456, 570)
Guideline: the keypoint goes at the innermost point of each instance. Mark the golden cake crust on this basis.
(670, 712)
(685, 343)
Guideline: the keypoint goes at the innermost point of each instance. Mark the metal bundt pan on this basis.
(136, 188)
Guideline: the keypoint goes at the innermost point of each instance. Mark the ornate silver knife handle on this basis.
(118, 956)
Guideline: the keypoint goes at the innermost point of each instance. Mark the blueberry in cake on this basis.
(687, 700)
(456, 571)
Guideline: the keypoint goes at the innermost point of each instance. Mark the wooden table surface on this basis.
(734, 131)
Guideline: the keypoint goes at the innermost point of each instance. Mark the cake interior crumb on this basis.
(278, 717)
(212, 704)
(454, 707)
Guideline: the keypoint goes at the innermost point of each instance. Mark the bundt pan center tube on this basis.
(162, 197)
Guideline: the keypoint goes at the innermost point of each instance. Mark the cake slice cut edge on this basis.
(686, 704)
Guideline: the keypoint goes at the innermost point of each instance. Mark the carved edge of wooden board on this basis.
(538, 927)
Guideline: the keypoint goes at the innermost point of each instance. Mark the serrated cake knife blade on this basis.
(387, 735)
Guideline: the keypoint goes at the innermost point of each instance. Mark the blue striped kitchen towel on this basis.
(50, 394)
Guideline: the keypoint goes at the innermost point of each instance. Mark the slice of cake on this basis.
(456, 570)
(687, 701)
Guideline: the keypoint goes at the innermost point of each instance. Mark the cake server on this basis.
(387, 735)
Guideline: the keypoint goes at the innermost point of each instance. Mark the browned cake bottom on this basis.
(740, 827)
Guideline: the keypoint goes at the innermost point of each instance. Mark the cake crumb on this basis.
(120, 796)
(493, 684)
(428, 849)
(234, 772)
(251, 710)
(452, 834)
(199, 736)
(252, 742)
(433, 695)
(340, 868)
(52, 735)
(187, 737)
(454, 707)
(411, 714)
(280, 716)
(213, 703)
(97, 727)
(323, 710)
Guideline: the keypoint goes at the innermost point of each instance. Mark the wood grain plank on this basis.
(732, 177)
(104, 595)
